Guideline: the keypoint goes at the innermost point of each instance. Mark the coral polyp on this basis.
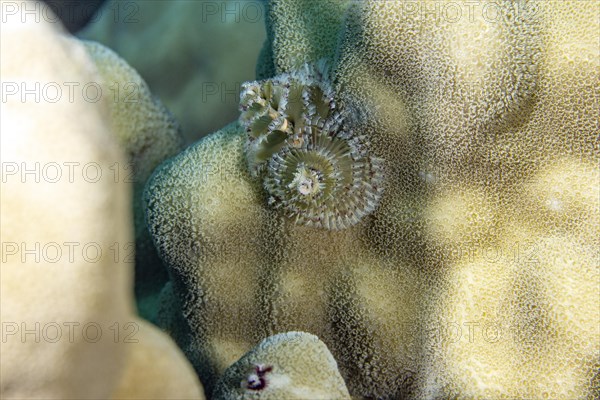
(313, 166)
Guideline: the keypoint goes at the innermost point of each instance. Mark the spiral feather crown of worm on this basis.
(314, 167)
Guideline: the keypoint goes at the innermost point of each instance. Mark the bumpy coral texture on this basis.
(310, 31)
(292, 365)
(477, 275)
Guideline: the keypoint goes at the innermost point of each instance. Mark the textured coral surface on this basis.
(291, 365)
(477, 276)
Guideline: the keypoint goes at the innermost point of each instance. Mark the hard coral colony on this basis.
(484, 128)
(406, 208)
(48, 300)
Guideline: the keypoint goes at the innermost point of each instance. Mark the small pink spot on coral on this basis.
(257, 379)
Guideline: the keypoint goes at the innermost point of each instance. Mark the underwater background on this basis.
(193, 54)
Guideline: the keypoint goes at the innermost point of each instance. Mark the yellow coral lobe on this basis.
(488, 128)
(292, 365)
(565, 193)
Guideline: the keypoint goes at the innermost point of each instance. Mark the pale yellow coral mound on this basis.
(487, 122)
(148, 134)
(68, 325)
(499, 143)
(49, 219)
(207, 197)
(202, 205)
(520, 321)
(292, 365)
(156, 368)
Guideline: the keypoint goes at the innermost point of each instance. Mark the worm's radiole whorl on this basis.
(314, 167)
